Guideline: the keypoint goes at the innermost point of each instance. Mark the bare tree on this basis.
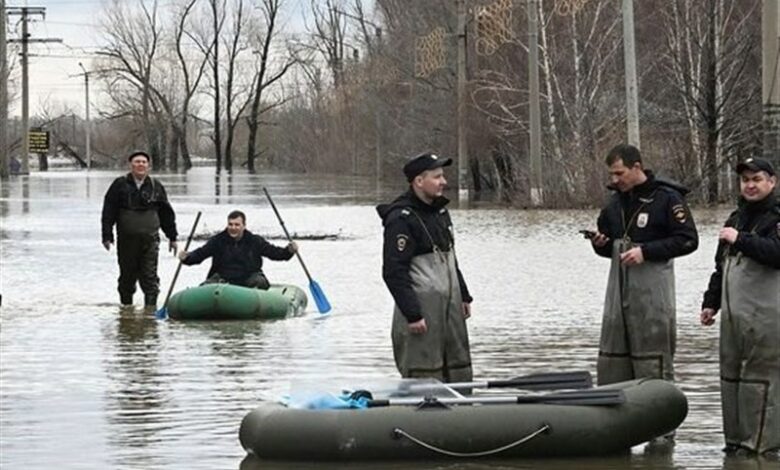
(192, 72)
(710, 49)
(268, 73)
(132, 42)
(236, 44)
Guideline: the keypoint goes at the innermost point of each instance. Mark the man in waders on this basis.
(237, 255)
(139, 207)
(432, 302)
(746, 287)
(644, 226)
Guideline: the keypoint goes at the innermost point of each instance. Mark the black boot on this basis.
(150, 301)
(126, 299)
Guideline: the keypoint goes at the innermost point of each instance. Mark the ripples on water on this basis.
(85, 385)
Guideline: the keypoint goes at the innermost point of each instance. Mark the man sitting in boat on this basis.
(237, 255)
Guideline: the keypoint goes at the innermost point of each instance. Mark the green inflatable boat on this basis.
(482, 425)
(229, 302)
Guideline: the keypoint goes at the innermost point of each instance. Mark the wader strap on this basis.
(398, 433)
(436, 248)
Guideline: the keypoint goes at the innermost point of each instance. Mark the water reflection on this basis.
(137, 396)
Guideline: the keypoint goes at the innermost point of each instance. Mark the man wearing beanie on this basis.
(139, 207)
(746, 288)
(432, 302)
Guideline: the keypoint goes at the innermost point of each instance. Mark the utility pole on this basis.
(770, 79)
(4, 160)
(463, 188)
(89, 125)
(534, 112)
(25, 13)
(632, 94)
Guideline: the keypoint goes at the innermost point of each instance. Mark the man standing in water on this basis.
(746, 286)
(432, 302)
(139, 207)
(645, 225)
(237, 255)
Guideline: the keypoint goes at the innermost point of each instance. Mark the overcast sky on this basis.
(54, 67)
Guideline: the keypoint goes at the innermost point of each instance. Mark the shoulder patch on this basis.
(405, 212)
(400, 242)
(679, 213)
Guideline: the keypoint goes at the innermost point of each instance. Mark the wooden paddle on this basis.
(316, 291)
(545, 381)
(162, 313)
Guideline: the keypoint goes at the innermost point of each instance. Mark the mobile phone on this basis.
(589, 234)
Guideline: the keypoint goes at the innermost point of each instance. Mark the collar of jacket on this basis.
(131, 179)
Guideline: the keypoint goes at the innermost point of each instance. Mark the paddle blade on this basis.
(319, 297)
(161, 314)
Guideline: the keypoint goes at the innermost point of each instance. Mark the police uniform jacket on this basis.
(405, 237)
(758, 224)
(653, 215)
(236, 260)
(123, 194)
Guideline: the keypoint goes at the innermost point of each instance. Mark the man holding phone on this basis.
(644, 226)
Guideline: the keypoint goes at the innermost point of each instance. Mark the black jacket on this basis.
(235, 260)
(405, 238)
(653, 215)
(758, 224)
(123, 194)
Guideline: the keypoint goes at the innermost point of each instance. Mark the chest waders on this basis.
(750, 354)
(638, 328)
(138, 245)
(443, 351)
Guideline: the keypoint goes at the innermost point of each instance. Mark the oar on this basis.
(316, 291)
(162, 313)
(547, 381)
(581, 398)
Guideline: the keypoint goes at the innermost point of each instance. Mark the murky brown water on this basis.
(83, 385)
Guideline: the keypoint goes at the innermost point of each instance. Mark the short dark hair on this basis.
(626, 152)
(236, 215)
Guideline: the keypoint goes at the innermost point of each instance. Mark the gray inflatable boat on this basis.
(599, 421)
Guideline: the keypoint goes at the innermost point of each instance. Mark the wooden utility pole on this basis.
(88, 131)
(4, 153)
(534, 113)
(632, 93)
(770, 79)
(463, 187)
(25, 13)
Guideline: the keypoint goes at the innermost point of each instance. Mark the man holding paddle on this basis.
(237, 255)
(430, 338)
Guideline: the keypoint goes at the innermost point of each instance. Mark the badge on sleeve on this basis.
(679, 213)
(641, 220)
(400, 242)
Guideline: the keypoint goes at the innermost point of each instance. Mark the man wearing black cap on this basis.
(644, 226)
(432, 302)
(139, 207)
(746, 286)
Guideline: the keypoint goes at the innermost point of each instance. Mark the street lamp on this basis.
(89, 126)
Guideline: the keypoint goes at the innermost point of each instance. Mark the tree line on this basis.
(257, 84)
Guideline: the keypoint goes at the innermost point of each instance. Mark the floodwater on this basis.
(85, 385)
